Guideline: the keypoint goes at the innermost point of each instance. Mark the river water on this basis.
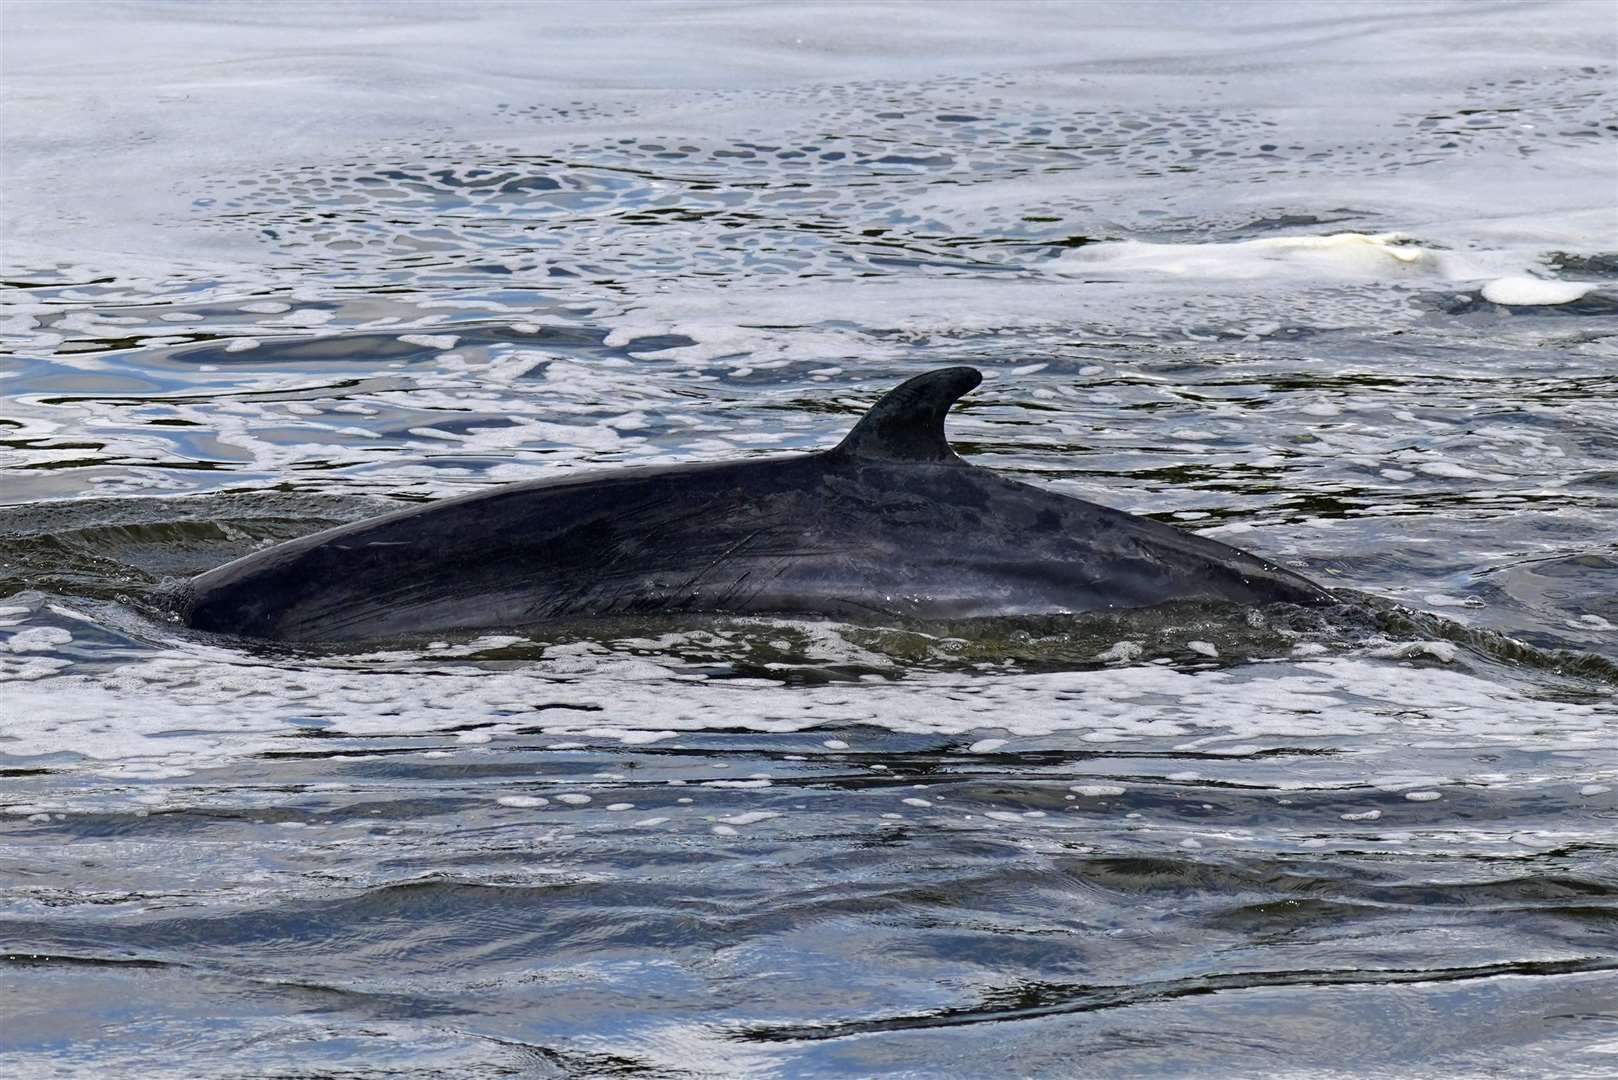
(1337, 284)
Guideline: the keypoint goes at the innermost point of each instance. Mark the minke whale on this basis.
(889, 523)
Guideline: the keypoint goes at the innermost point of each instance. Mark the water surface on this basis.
(1337, 285)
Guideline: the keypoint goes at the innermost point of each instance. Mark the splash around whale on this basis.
(888, 523)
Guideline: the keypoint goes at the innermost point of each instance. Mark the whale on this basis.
(891, 523)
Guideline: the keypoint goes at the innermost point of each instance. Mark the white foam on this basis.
(1444, 651)
(38, 639)
(752, 817)
(135, 714)
(441, 342)
(630, 738)
(522, 801)
(1346, 256)
(1122, 652)
(1445, 600)
(1534, 292)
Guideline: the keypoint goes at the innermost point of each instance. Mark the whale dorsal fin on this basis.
(907, 423)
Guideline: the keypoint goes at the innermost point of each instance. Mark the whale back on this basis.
(890, 522)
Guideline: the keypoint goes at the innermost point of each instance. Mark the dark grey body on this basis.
(889, 523)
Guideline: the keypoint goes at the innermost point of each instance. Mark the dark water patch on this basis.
(165, 395)
(1288, 222)
(1338, 881)
(47, 960)
(1603, 265)
(368, 348)
(198, 823)
(1480, 312)
(108, 548)
(1034, 1000)
(1549, 654)
(413, 926)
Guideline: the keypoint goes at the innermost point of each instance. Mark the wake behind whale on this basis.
(889, 523)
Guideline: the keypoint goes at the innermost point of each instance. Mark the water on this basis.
(1338, 285)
